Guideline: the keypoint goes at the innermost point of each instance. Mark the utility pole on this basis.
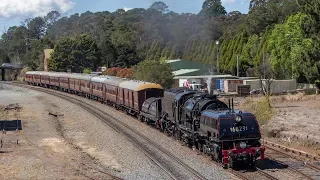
(264, 64)
(237, 65)
(291, 59)
(217, 64)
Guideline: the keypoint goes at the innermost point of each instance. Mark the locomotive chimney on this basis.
(229, 105)
(232, 106)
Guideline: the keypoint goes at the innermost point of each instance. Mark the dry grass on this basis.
(2, 112)
(293, 97)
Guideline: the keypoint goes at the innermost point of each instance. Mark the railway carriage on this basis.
(133, 93)
(98, 87)
(54, 80)
(85, 85)
(45, 79)
(64, 81)
(74, 83)
(28, 77)
(112, 90)
(36, 78)
(76, 80)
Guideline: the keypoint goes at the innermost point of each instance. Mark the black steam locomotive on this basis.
(202, 121)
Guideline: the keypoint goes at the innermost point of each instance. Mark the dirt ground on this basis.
(295, 121)
(42, 152)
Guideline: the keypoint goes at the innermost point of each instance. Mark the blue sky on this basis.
(12, 13)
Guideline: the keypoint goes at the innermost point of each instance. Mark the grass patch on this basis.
(2, 111)
(260, 109)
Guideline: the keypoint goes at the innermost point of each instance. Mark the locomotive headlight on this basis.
(243, 145)
(238, 119)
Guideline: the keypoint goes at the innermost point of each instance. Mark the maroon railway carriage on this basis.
(28, 77)
(64, 81)
(34, 77)
(133, 93)
(80, 83)
(45, 79)
(98, 87)
(112, 90)
(54, 80)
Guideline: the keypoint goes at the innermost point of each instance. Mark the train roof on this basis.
(223, 113)
(113, 80)
(99, 79)
(34, 72)
(59, 74)
(86, 77)
(139, 85)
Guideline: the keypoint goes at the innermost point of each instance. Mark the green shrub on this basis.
(86, 71)
(261, 110)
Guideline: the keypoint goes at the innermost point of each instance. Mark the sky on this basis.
(13, 12)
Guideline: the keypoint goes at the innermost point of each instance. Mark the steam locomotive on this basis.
(205, 123)
(198, 119)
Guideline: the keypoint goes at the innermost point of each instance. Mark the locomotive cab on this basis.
(230, 137)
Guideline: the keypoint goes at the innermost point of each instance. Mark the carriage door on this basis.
(132, 94)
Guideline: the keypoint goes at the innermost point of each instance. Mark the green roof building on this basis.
(182, 67)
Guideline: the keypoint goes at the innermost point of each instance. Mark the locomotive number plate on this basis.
(239, 129)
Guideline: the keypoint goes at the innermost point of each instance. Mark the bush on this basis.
(120, 72)
(86, 71)
(261, 110)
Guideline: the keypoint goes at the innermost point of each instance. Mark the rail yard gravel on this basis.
(78, 133)
(42, 152)
(109, 150)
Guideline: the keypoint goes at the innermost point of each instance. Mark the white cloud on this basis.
(127, 9)
(27, 8)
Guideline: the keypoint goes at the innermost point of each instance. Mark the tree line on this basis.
(284, 33)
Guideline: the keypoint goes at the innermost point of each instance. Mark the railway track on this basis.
(254, 173)
(161, 157)
(304, 168)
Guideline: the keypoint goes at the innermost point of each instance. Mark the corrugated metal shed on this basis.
(277, 86)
